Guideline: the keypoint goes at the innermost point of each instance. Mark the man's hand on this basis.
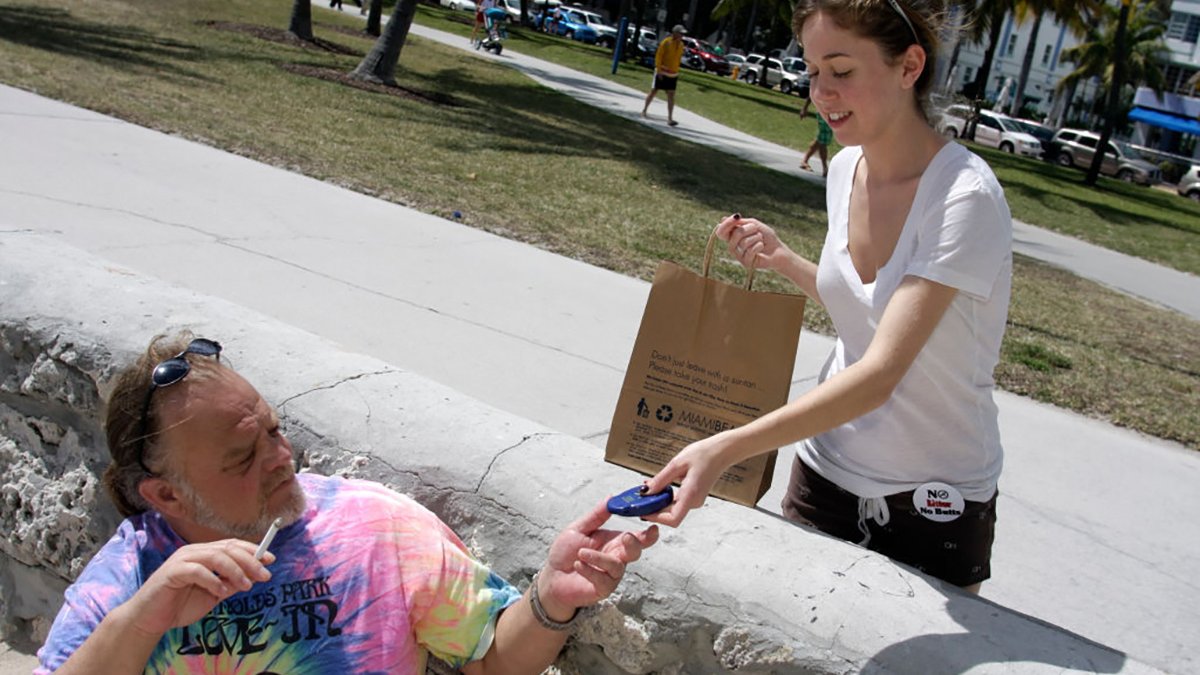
(586, 563)
(192, 581)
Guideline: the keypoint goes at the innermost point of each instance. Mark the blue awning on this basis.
(1185, 125)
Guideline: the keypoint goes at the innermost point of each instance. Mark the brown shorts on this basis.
(959, 551)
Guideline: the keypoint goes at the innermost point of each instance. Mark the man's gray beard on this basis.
(204, 515)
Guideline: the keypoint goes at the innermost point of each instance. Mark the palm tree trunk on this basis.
(979, 87)
(301, 23)
(379, 65)
(1114, 96)
(1026, 66)
(748, 42)
(1062, 105)
(374, 17)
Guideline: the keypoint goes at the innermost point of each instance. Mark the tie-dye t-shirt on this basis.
(365, 582)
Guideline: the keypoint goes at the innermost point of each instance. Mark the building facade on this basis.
(1170, 122)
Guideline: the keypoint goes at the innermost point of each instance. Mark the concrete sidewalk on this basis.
(1085, 541)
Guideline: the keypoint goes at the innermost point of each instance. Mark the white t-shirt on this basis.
(941, 422)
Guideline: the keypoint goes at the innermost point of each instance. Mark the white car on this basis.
(513, 7)
(993, 130)
(1189, 185)
(648, 39)
(467, 5)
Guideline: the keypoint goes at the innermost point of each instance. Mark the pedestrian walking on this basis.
(820, 144)
(666, 71)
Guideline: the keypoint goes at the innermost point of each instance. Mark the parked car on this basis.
(736, 61)
(467, 5)
(1189, 185)
(1043, 133)
(648, 40)
(537, 10)
(796, 66)
(710, 60)
(644, 49)
(606, 35)
(758, 66)
(993, 130)
(573, 25)
(1074, 147)
(512, 8)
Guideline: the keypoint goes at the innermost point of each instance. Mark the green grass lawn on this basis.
(535, 165)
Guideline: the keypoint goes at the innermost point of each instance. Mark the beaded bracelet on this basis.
(539, 612)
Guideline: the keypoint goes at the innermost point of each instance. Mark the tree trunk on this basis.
(748, 42)
(379, 66)
(301, 23)
(639, 10)
(374, 17)
(1026, 66)
(1063, 105)
(954, 57)
(979, 87)
(1114, 96)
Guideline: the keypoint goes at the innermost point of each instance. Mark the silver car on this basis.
(1073, 147)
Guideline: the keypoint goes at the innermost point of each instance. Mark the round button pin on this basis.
(938, 502)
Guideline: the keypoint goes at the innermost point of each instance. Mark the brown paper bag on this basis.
(709, 356)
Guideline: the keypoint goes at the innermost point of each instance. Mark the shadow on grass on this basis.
(698, 173)
(1114, 202)
(57, 30)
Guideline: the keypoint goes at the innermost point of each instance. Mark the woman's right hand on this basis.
(751, 241)
(696, 468)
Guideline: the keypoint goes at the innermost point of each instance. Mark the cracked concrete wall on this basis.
(735, 590)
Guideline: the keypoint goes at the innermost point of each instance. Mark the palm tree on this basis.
(374, 17)
(379, 65)
(986, 20)
(1096, 55)
(301, 22)
(1074, 14)
(774, 10)
(1125, 48)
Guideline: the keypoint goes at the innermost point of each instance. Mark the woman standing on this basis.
(899, 442)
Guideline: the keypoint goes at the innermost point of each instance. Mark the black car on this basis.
(1043, 133)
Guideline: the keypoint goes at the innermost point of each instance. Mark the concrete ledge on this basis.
(735, 590)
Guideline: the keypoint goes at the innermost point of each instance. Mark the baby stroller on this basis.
(493, 28)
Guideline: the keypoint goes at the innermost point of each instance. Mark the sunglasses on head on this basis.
(167, 373)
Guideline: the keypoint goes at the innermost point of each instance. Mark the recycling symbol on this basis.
(664, 413)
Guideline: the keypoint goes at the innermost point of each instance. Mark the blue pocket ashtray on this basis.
(633, 502)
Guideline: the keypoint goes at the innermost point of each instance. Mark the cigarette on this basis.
(268, 538)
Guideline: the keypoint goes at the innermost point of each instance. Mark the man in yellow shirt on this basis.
(666, 71)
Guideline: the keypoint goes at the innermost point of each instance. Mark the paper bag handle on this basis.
(708, 253)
